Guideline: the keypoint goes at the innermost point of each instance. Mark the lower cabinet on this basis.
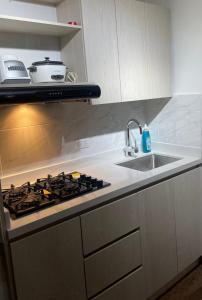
(112, 263)
(187, 195)
(171, 228)
(112, 247)
(130, 288)
(49, 265)
(158, 236)
(131, 248)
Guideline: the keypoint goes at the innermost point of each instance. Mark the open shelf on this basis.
(33, 26)
(48, 2)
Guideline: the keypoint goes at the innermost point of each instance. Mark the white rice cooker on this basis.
(47, 71)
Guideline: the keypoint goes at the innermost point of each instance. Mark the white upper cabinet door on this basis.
(99, 22)
(131, 31)
(158, 41)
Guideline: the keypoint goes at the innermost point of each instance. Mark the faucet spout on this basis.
(129, 149)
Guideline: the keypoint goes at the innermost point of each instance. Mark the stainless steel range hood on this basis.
(33, 93)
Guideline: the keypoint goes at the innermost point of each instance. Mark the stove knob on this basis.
(100, 183)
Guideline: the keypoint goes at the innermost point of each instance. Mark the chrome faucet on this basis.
(130, 150)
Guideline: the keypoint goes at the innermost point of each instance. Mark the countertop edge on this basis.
(79, 209)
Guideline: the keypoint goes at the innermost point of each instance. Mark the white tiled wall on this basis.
(177, 121)
(32, 136)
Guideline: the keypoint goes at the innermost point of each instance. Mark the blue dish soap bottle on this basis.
(146, 140)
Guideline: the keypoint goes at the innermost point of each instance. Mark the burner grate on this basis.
(49, 191)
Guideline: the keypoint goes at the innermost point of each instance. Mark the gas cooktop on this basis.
(49, 191)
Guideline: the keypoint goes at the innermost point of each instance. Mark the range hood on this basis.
(35, 93)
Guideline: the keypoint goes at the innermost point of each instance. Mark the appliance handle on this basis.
(32, 69)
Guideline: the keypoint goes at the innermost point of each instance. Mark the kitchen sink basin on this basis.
(149, 162)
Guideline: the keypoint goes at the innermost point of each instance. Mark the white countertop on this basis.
(102, 166)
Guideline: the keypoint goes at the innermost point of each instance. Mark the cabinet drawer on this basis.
(108, 223)
(48, 265)
(130, 288)
(112, 263)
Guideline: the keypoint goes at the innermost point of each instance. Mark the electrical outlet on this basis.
(84, 143)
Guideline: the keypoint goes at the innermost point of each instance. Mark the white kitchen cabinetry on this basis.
(107, 224)
(100, 38)
(48, 265)
(129, 288)
(132, 246)
(158, 236)
(111, 238)
(132, 49)
(158, 47)
(143, 31)
(45, 32)
(111, 264)
(171, 228)
(187, 195)
(124, 45)
(33, 26)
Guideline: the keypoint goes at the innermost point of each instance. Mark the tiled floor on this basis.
(190, 288)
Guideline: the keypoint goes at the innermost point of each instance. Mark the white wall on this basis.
(186, 45)
(178, 121)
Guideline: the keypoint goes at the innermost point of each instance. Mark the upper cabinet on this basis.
(143, 31)
(158, 47)
(132, 49)
(99, 22)
(34, 29)
(122, 45)
(127, 45)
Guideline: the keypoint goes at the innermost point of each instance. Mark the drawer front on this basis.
(108, 223)
(112, 263)
(130, 288)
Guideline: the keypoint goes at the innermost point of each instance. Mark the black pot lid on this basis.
(47, 61)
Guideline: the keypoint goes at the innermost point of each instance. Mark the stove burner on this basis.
(45, 192)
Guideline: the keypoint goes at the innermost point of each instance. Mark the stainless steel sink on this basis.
(149, 162)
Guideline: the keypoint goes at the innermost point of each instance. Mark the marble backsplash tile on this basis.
(34, 136)
(176, 121)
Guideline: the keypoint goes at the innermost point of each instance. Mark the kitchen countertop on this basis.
(102, 166)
